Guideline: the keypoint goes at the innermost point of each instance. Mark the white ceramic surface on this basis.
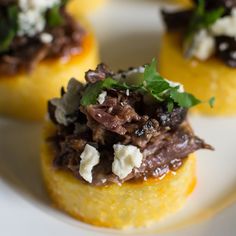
(129, 33)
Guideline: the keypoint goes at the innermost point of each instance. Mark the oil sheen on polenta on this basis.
(203, 79)
(133, 204)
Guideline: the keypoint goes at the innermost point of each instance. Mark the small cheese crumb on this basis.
(89, 158)
(31, 19)
(126, 158)
(204, 45)
(46, 38)
(102, 97)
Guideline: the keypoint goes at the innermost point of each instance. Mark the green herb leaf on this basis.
(152, 83)
(92, 92)
(8, 28)
(212, 102)
(54, 17)
(201, 19)
(185, 100)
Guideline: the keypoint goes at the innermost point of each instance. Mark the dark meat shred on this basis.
(171, 119)
(101, 72)
(226, 50)
(176, 20)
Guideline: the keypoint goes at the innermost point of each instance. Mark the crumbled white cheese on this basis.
(204, 45)
(46, 38)
(126, 158)
(174, 85)
(225, 25)
(102, 97)
(30, 23)
(68, 104)
(31, 18)
(89, 158)
(40, 5)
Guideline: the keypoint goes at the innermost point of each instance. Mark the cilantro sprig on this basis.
(152, 83)
(201, 19)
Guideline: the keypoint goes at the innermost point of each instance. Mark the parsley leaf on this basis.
(201, 19)
(185, 100)
(8, 27)
(212, 102)
(54, 17)
(152, 83)
(92, 92)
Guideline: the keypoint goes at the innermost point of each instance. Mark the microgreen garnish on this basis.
(152, 83)
(201, 19)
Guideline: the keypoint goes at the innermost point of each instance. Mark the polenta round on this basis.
(202, 78)
(25, 95)
(133, 204)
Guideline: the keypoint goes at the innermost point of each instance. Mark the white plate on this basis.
(129, 33)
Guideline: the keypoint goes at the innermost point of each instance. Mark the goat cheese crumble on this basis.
(31, 18)
(102, 97)
(126, 158)
(89, 158)
(204, 45)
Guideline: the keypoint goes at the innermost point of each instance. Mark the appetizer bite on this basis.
(41, 46)
(199, 49)
(78, 7)
(118, 151)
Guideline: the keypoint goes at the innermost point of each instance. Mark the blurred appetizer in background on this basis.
(78, 7)
(200, 50)
(183, 2)
(118, 151)
(41, 46)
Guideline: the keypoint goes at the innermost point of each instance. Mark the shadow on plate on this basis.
(19, 158)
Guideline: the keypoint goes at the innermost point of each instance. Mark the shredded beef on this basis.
(25, 52)
(176, 20)
(226, 50)
(101, 72)
(7, 2)
(164, 138)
